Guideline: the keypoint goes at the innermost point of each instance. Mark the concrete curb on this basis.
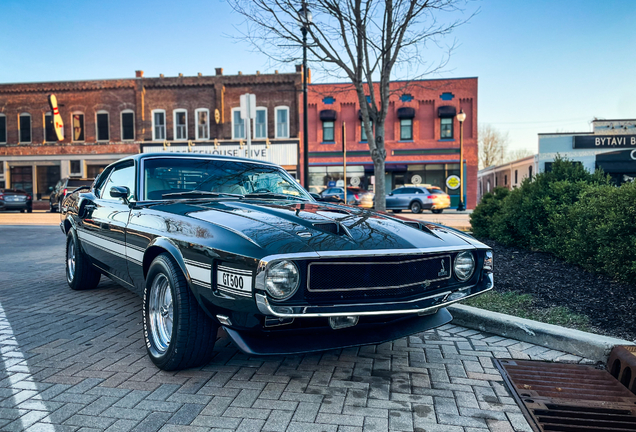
(572, 341)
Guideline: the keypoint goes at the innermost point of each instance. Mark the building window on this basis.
(327, 131)
(49, 128)
(76, 167)
(25, 128)
(530, 172)
(496, 180)
(103, 132)
(516, 178)
(406, 129)
(202, 115)
(180, 125)
(3, 128)
(158, 125)
(260, 123)
(127, 125)
(78, 127)
(238, 124)
(506, 180)
(363, 132)
(446, 128)
(488, 186)
(282, 122)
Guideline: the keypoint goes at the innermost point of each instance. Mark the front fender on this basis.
(154, 248)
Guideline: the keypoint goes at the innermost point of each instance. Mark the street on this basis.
(76, 360)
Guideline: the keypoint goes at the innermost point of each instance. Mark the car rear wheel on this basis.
(51, 208)
(177, 332)
(80, 273)
(30, 210)
(437, 211)
(416, 207)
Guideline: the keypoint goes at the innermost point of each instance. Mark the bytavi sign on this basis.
(605, 141)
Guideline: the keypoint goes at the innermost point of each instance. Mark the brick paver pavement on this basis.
(75, 361)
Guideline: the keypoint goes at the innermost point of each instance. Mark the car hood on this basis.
(312, 227)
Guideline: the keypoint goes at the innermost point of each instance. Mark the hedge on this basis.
(574, 214)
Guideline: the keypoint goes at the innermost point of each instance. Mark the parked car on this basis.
(62, 188)
(211, 241)
(418, 198)
(16, 199)
(355, 196)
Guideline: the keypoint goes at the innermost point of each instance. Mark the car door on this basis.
(405, 198)
(392, 200)
(103, 231)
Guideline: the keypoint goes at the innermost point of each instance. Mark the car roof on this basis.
(139, 157)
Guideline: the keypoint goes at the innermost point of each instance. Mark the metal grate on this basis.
(569, 398)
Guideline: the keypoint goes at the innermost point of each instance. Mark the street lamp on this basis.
(305, 17)
(461, 117)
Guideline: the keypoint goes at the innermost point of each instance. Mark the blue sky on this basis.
(543, 66)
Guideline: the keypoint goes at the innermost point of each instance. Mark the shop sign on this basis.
(452, 182)
(416, 179)
(340, 183)
(279, 153)
(331, 184)
(605, 141)
(355, 181)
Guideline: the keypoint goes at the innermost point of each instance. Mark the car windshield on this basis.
(182, 176)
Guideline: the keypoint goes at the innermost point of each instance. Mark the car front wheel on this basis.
(80, 273)
(177, 332)
(416, 207)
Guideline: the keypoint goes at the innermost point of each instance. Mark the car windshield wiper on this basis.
(197, 193)
(273, 195)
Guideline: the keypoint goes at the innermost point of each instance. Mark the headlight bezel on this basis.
(472, 271)
(271, 290)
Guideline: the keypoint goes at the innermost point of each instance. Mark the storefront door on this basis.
(48, 176)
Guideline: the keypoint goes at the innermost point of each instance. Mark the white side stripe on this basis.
(201, 274)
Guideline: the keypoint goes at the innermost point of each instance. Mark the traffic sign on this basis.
(248, 106)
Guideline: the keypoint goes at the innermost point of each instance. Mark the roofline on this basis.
(604, 120)
(397, 81)
(566, 133)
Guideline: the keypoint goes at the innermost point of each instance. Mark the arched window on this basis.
(180, 124)
(282, 121)
(49, 128)
(159, 125)
(127, 125)
(102, 121)
(25, 128)
(77, 123)
(202, 117)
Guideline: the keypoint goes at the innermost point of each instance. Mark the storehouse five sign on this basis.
(605, 141)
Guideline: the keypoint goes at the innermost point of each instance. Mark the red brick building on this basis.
(422, 136)
(106, 120)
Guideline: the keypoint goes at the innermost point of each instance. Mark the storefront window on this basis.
(22, 178)
(426, 174)
(48, 176)
(320, 177)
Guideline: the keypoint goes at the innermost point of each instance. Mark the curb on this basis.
(580, 343)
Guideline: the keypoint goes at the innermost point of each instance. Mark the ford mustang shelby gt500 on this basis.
(211, 241)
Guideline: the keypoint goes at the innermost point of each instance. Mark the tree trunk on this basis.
(379, 157)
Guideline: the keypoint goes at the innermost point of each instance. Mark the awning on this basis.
(406, 113)
(328, 115)
(446, 111)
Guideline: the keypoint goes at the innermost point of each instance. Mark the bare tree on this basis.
(492, 146)
(362, 40)
(516, 154)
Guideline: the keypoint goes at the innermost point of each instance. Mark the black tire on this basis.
(192, 332)
(51, 208)
(396, 211)
(416, 207)
(30, 210)
(21, 210)
(84, 276)
(437, 211)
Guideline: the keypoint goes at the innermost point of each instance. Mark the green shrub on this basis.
(490, 205)
(574, 214)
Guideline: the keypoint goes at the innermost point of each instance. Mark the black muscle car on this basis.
(211, 241)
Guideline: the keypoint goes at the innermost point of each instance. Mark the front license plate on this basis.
(232, 279)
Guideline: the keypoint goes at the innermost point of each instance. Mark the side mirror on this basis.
(120, 192)
(50, 188)
(315, 196)
(390, 193)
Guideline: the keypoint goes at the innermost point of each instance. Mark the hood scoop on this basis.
(420, 226)
(332, 228)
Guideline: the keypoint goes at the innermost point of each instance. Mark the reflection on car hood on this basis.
(324, 227)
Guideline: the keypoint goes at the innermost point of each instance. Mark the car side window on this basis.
(398, 191)
(122, 176)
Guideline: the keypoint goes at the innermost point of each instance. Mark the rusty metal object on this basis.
(622, 366)
(569, 397)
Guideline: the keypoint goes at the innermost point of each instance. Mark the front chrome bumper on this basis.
(423, 306)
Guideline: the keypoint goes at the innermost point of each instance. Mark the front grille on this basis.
(398, 277)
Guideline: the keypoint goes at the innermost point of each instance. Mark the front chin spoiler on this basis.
(284, 343)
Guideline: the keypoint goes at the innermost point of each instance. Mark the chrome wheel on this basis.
(161, 312)
(70, 261)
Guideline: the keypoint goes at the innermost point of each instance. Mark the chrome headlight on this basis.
(464, 266)
(282, 280)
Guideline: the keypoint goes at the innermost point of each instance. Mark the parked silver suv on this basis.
(418, 198)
